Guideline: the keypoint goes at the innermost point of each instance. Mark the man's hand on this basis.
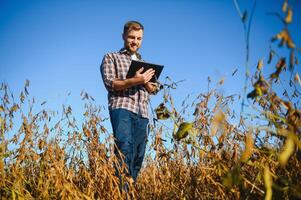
(139, 79)
(145, 77)
(151, 87)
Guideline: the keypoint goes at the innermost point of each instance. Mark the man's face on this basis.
(133, 40)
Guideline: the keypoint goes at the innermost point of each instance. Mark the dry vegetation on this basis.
(49, 156)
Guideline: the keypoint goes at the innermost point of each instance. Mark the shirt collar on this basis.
(125, 51)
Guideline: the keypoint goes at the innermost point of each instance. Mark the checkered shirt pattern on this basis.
(115, 66)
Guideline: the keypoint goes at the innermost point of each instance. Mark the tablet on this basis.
(136, 65)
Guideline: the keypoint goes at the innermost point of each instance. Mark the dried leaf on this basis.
(279, 68)
(249, 145)
(297, 79)
(221, 139)
(217, 122)
(41, 144)
(221, 81)
(260, 64)
(27, 83)
(261, 87)
(281, 63)
(183, 130)
(162, 112)
(268, 181)
(87, 132)
(103, 129)
(288, 150)
(1, 108)
(232, 178)
(289, 17)
(46, 130)
(284, 6)
(22, 97)
(284, 38)
(14, 108)
(2, 125)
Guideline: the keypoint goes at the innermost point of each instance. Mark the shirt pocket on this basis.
(122, 66)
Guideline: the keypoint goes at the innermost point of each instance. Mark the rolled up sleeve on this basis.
(108, 72)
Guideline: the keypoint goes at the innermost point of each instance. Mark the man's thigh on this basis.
(122, 127)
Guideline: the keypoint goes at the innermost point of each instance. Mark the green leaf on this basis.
(268, 181)
(288, 150)
(232, 178)
(183, 130)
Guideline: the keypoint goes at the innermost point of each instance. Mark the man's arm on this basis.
(111, 83)
(138, 79)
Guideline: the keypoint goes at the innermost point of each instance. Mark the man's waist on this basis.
(143, 111)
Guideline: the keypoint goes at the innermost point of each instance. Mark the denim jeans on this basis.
(130, 133)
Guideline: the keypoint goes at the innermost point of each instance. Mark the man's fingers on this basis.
(149, 71)
(149, 76)
(153, 84)
(148, 79)
(140, 70)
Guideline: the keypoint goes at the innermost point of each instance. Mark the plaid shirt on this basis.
(115, 66)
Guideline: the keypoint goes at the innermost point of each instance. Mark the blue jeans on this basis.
(130, 133)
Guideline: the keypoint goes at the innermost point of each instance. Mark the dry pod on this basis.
(162, 112)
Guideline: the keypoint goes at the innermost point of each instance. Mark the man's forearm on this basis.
(119, 85)
(138, 79)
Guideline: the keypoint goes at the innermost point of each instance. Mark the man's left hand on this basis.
(152, 88)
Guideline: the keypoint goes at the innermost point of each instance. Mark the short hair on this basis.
(132, 25)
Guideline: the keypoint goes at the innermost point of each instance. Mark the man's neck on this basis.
(134, 57)
(138, 56)
(130, 52)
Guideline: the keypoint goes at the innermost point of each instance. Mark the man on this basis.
(128, 97)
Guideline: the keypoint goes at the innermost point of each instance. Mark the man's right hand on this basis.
(139, 79)
(145, 77)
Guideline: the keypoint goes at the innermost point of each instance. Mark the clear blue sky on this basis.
(58, 44)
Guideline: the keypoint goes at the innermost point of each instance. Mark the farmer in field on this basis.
(128, 98)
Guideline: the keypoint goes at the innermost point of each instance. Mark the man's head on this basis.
(132, 36)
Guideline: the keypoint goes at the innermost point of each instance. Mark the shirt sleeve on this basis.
(108, 72)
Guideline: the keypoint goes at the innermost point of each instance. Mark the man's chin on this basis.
(133, 50)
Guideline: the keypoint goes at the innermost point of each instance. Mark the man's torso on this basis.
(134, 99)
